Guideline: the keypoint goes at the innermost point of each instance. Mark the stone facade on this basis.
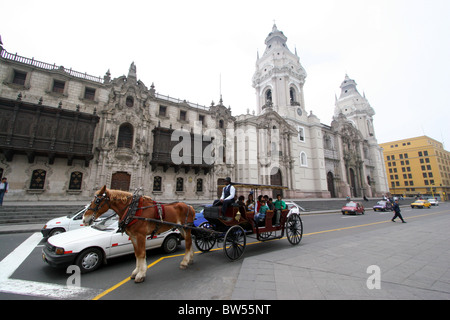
(177, 150)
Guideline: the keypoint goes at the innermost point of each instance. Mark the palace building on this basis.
(65, 134)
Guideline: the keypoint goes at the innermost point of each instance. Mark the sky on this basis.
(397, 51)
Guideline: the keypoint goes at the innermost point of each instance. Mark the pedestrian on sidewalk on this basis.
(3, 189)
(397, 212)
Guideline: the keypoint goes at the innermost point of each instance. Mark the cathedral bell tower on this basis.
(279, 78)
(356, 108)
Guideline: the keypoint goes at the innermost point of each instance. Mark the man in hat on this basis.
(227, 198)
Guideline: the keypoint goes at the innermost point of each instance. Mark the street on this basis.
(212, 276)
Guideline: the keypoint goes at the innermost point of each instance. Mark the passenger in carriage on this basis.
(279, 205)
(269, 202)
(261, 215)
(250, 203)
(241, 201)
(258, 204)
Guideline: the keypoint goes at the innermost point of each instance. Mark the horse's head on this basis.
(98, 206)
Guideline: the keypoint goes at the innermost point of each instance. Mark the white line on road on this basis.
(31, 288)
(9, 264)
(46, 290)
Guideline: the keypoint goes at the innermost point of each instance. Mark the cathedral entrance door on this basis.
(121, 181)
(330, 182)
(276, 180)
(353, 186)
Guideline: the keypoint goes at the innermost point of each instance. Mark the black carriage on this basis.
(239, 223)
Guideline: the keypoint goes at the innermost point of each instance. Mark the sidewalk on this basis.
(414, 262)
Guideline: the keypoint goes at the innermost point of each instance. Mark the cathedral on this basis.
(64, 134)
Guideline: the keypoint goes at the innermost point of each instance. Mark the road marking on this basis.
(32, 288)
(46, 290)
(9, 264)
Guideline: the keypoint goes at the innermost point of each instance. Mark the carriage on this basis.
(141, 216)
(239, 223)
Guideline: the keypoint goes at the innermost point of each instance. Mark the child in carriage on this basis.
(261, 215)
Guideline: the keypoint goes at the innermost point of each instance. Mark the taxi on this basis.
(421, 204)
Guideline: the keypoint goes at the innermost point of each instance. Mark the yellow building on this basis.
(417, 166)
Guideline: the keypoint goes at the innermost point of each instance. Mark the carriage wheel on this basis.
(294, 229)
(234, 242)
(205, 241)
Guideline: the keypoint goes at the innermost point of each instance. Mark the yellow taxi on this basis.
(421, 204)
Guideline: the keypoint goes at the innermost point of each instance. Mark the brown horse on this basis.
(120, 201)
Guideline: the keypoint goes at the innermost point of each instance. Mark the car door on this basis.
(77, 221)
(119, 244)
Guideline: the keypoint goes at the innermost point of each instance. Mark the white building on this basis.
(64, 134)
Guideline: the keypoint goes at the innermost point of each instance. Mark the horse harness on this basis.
(134, 211)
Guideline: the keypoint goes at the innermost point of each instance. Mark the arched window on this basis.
(125, 139)
(269, 96)
(292, 95)
(303, 159)
(38, 179)
(129, 102)
(76, 178)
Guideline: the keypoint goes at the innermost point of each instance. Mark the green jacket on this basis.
(279, 204)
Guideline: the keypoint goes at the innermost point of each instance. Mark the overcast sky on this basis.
(397, 51)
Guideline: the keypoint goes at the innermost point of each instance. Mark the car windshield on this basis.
(108, 224)
(381, 203)
(351, 204)
(81, 211)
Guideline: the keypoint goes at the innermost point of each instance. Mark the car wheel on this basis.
(170, 244)
(56, 231)
(89, 260)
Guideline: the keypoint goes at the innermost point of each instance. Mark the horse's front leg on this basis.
(139, 273)
(189, 252)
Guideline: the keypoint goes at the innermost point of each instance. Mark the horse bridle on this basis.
(98, 204)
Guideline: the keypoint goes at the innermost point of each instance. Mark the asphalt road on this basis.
(211, 277)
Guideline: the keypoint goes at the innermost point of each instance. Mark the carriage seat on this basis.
(268, 221)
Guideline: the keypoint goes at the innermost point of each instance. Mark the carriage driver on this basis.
(227, 198)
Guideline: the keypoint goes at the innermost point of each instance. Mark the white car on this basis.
(293, 207)
(67, 223)
(433, 201)
(90, 247)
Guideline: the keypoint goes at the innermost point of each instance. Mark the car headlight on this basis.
(59, 250)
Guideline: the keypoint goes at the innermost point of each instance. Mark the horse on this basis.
(120, 201)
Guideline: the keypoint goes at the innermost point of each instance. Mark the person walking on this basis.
(3, 189)
(397, 212)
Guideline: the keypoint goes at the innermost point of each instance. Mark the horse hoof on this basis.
(183, 267)
(139, 280)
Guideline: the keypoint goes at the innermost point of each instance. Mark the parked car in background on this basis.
(383, 205)
(293, 207)
(199, 218)
(70, 222)
(90, 247)
(353, 208)
(421, 204)
(433, 201)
